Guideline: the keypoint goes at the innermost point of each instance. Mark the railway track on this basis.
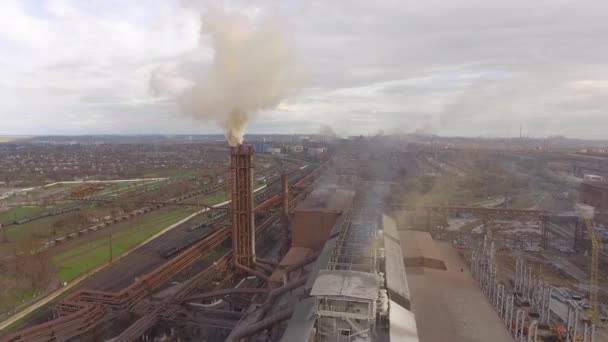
(85, 310)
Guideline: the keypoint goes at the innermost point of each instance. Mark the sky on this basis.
(466, 68)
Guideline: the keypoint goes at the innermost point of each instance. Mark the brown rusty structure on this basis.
(82, 314)
(243, 237)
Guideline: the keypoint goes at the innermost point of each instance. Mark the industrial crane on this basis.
(594, 311)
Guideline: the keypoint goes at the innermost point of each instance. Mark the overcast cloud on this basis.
(473, 68)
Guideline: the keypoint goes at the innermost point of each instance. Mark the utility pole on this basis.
(4, 234)
(110, 237)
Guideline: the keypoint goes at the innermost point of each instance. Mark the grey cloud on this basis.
(415, 65)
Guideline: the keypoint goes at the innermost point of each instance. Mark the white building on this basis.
(273, 150)
(315, 151)
(296, 148)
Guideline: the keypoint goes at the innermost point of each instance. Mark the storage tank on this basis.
(259, 148)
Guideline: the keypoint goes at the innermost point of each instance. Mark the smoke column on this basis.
(252, 71)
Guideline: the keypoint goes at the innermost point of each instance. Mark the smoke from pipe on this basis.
(252, 71)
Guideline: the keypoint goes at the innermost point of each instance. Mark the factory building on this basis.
(357, 289)
(595, 194)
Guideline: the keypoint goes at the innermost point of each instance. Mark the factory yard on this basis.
(475, 246)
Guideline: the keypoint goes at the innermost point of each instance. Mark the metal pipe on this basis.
(262, 266)
(285, 288)
(252, 271)
(197, 307)
(509, 313)
(302, 262)
(266, 261)
(572, 325)
(474, 265)
(285, 196)
(533, 326)
(264, 324)
(494, 278)
(576, 313)
(516, 275)
(520, 316)
(224, 292)
(529, 282)
(278, 292)
(548, 315)
(500, 298)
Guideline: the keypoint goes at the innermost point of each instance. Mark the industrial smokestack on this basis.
(243, 226)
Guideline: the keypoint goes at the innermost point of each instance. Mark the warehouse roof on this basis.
(329, 199)
(352, 284)
(402, 324)
(396, 279)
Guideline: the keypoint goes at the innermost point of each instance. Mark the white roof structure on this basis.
(352, 284)
(403, 324)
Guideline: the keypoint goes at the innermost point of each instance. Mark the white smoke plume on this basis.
(252, 71)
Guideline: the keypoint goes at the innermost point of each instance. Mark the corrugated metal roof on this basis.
(396, 278)
(352, 284)
(332, 199)
(321, 263)
(389, 227)
(402, 324)
(417, 244)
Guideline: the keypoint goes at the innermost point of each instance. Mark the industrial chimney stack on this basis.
(243, 227)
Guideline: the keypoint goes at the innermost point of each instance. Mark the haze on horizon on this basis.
(467, 68)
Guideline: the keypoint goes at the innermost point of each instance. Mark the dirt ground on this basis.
(449, 306)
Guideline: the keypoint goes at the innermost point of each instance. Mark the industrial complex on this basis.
(331, 248)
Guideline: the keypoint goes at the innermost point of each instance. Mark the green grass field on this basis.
(78, 261)
(216, 197)
(20, 213)
(15, 296)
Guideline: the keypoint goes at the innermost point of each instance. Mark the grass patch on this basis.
(525, 200)
(79, 261)
(216, 197)
(21, 213)
(37, 314)
(16, 296)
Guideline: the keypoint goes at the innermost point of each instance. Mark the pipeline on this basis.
(272, 296)
(264, 324)
(224, 292)
(198, 308)
(285, 288)
(252, 271)
(262, 266)
(265, 261)
(302, 262)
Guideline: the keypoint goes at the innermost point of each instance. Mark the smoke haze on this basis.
(252, 71)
